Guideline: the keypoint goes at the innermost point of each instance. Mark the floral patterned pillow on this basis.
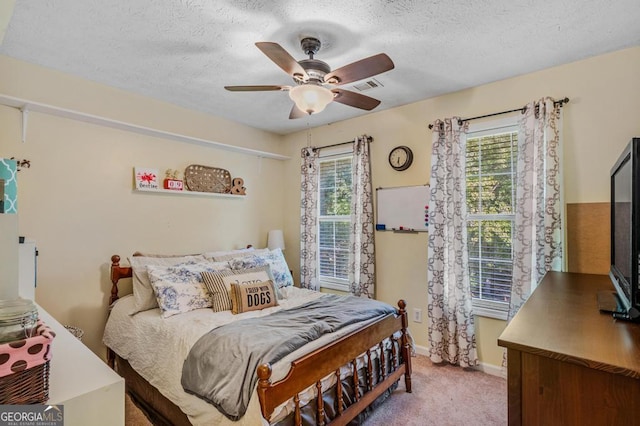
(179, 288)
(145, 298)
(274, 258)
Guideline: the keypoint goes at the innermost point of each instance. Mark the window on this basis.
(334, 221)
(490, 178)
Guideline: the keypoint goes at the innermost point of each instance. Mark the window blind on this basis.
(490, 184)
(334, 219)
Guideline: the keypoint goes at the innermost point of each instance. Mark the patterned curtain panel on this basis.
(537, 239)
(450, 321)
(309, 219)
(361, 263)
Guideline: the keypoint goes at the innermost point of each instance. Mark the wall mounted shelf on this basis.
(26, 106)
(189, 193)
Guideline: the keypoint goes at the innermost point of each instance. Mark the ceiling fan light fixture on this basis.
(311, 98)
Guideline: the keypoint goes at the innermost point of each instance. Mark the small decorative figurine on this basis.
(237, 188)
(171, 180)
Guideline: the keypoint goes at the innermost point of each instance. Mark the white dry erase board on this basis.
(403, 206)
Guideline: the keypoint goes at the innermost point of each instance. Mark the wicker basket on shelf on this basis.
(24, 368)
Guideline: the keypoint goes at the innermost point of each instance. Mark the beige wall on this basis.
(77, 202)
(8, 256)
(76, 199)
(603, 114)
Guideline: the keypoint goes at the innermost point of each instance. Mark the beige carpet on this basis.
(442, 395)
(445, 395)
(132, 414)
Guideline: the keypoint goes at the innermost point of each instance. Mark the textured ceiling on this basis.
(185, 51)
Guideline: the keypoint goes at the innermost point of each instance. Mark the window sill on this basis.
(334, 286)
(482, 311)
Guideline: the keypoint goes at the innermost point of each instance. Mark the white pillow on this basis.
(211, 254)
(231, 256)
(179, 288)
(145, 299)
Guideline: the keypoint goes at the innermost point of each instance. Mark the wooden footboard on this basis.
(309, 370)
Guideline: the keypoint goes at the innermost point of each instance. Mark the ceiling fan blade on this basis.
(361, 69)
(282, 58)
(356, 100)
(296, 113)
(255, 88)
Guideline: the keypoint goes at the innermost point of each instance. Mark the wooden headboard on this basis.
(119, 272)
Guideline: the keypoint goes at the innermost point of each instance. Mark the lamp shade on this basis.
(311, 98)
(275, 239)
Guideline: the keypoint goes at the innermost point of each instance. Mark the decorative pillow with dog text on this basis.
(252, 296)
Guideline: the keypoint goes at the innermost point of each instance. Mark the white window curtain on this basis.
(362, 256)
(309, 219)
(537, 239)
(450, 320)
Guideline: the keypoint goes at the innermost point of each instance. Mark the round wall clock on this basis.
(400, 158)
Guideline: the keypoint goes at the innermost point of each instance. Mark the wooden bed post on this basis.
(406, 347)
(264, 382)
(115, 276)
(117, 272)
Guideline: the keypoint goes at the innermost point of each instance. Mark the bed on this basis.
(353, 368)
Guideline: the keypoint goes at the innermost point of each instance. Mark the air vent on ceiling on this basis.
(367, 85)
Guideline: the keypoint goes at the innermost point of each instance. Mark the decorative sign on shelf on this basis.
(146, 178)
(171, 180)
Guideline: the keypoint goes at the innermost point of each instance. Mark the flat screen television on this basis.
(625, 235)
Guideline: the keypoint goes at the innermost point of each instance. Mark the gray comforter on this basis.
(221, 366)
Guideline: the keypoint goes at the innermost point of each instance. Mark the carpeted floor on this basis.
(442, 395)
(445, 395)
(132, 414)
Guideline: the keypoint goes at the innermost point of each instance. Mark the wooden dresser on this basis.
(569, 364)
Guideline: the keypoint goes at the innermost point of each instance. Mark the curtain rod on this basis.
(560, 103)
(316, 148)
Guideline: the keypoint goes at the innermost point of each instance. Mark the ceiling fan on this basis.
(316, 85)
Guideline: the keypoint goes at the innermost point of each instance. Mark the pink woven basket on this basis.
(24, 368)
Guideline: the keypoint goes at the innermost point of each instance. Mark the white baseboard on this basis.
(494, 370)
(422, 350)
